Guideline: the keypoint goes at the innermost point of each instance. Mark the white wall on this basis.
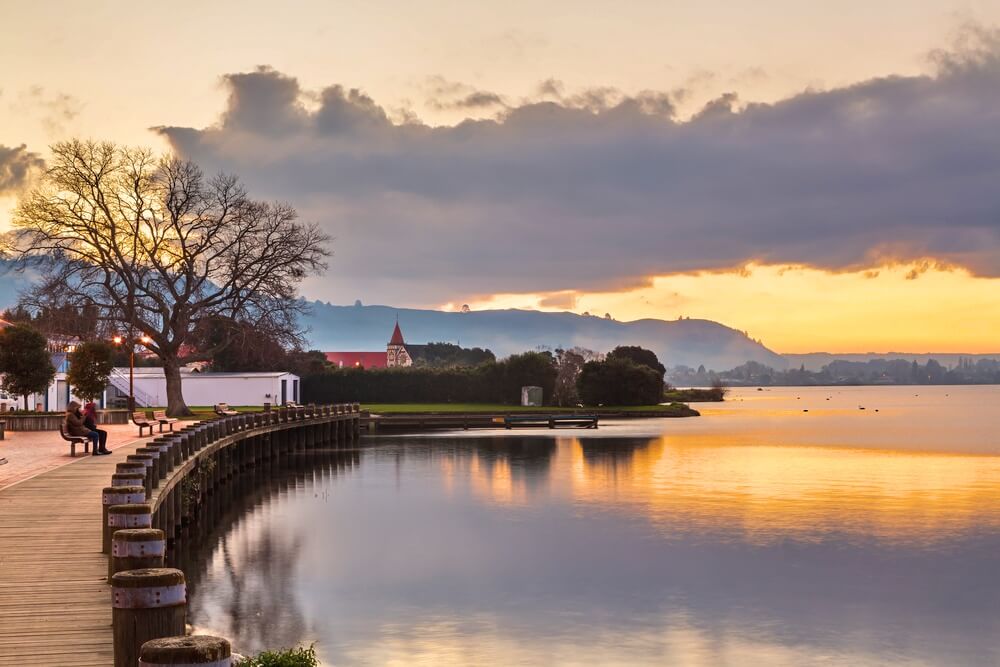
(208, 389)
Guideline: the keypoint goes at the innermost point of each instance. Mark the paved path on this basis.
(55, 606)
(29, 453)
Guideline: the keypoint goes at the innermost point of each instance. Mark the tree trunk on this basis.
(176, 407)
(25, 402)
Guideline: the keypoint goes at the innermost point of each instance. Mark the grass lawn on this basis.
(470, 408)
(207, 411)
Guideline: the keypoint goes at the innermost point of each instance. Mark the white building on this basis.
(275, 387)
(150, 385)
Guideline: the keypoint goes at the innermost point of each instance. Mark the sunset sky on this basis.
(825, 176)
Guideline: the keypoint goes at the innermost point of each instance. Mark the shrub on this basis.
(290, 657)
(619, 382)
(499, 382)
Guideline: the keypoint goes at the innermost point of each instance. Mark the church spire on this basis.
(397, 336)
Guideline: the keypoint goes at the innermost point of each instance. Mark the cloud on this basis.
(444, 95)
(17, 166)
(578, 190)
(56, 111)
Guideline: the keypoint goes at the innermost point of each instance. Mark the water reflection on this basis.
(671, 549)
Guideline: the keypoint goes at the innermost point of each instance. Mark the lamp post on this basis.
(118, 340)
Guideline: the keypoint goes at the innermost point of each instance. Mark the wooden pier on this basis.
(54, 598)
(55, 601)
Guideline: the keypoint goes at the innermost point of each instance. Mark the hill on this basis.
(687, 342)
(814, 361)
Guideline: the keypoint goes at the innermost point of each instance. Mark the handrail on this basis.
(121, 382)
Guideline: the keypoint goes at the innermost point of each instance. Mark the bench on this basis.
(75, 440)
(142, 421)
(161, 417)
(223, 410)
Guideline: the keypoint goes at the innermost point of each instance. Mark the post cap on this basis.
(195, 650)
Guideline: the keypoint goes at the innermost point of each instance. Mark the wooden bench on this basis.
(142, 421)
(161, 417)
(223, 410)
(75, 440)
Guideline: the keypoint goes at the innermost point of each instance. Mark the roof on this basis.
(157, 371)
(397, 336)
(362, 359)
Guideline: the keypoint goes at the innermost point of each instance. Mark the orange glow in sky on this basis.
(900, 308)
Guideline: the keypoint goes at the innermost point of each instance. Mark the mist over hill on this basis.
(687, 342)
(814, 361)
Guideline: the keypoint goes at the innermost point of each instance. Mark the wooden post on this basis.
(200, 650)
(129, 479)
(117, 495)
(162, 453)
(136, 548)
(147, 461)
(135, 515)
(146, 604)
(131, 466)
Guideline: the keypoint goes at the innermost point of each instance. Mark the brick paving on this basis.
(30, 453)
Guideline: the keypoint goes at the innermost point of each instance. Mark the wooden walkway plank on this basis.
(55, 602)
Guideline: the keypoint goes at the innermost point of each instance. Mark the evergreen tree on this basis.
(90, 366)
(25, 362)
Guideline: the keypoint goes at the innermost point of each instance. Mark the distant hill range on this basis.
(814, 361)
(676, 342)
(688, 342)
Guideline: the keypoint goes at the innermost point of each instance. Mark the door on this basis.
(284, 391)
(62, 395)
(295, 390)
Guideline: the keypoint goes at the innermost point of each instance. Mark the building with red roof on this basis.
(359, 359)
(395, 355)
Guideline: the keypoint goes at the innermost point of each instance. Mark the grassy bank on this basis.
(671, 410)
(201, 412)
(694, 395)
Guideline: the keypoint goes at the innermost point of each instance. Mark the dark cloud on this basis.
(445, 94)
(17, 165)
(589, 189)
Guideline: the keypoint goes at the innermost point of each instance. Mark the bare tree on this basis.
(157, 248)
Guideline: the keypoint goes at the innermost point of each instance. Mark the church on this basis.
(395, 355)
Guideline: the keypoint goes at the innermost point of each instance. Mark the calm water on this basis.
(758, 534)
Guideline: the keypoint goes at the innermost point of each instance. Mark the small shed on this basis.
(531, 397)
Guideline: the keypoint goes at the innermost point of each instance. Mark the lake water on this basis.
(758, 534)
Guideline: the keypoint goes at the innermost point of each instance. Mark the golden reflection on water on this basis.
(766, 493)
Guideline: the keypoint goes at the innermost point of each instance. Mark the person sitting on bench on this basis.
(90, 421)
(75, 426)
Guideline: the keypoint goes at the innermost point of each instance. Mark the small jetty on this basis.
(550, 421)
(469, 421)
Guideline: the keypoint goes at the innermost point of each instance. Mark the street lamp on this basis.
(118, 340)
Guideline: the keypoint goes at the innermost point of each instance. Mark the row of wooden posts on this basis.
(159, 490)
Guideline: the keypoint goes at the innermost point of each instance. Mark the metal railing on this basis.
(120, 381)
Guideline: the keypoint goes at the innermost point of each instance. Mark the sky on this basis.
(821, 175)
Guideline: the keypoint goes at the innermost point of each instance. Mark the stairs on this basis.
(119, 379)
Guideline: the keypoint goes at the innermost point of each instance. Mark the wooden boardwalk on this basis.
(55, 605)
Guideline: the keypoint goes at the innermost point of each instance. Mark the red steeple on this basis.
(397, 336)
